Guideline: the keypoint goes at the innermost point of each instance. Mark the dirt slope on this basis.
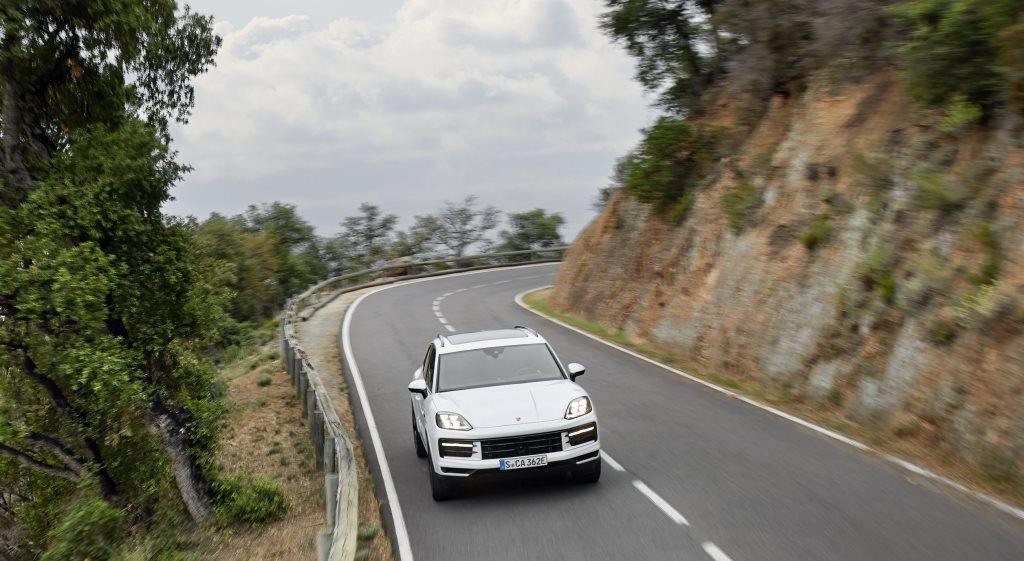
(877, 270)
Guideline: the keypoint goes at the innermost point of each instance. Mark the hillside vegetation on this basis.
(830, 211)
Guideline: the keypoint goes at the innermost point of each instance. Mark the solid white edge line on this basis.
(401, 533)
(913, 468)
(611, 462)
(714, 552)
(661, 503)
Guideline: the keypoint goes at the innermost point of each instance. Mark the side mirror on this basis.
(576, 370)
(418, 386)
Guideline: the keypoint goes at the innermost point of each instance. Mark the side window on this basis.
(428, 367)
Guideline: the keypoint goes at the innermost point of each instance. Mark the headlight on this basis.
(577, 408)
(452, 421)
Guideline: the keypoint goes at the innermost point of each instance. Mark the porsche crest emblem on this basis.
(518, 418)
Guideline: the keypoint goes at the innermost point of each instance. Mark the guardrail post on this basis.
(331, 497)
(309, 407)
(329, 465)
(318, 436)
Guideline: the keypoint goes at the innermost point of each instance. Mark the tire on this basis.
(442, 488)
(589, 472)
(421, 452)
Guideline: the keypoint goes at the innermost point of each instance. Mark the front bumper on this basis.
(569, 456)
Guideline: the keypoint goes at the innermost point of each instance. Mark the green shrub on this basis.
(941, 331)
(248, 501)
(671, 160)
(959, 115)
(989, 271)
(264, 381)
(876, 273)
(91, 530)
(954, 47)
(934, 193)
(817, 234)
(739, 203)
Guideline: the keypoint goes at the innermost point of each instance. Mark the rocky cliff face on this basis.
(873, 264)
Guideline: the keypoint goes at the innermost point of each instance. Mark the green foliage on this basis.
(817, 234)
(264, 381)
(953, 48)
(941, 331)
(876, 272)
(296, 247)
(670, 162)
(248, 500)
(985, 235)
(739, 204)
(959, 115)
(91, 530)
(935, 192)
(671, 42)
(532, 229)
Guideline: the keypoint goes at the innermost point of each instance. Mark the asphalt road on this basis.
(704, 476)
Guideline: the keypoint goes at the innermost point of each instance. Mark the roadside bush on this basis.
(739, 203)
(935, 193)
(817, 234)
(876, 273)
(954, 47)
(91, 530)
(671, 160)
(264, 381)
(248, 500)
(959, 115)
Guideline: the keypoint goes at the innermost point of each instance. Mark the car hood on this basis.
(514, 404)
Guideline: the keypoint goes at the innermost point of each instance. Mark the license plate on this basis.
(524, 462)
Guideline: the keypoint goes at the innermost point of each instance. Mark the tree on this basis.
(66, 65)
(248, 263)
(294, 240)
(363, 242)
(461, 225)
(532, 229)
(102, 302)
(676, 44)
(953, 48)
(103, 310)
(419, 239)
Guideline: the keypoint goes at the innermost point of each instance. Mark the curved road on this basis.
(693, 474)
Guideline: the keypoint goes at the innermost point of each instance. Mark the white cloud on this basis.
(524, 103)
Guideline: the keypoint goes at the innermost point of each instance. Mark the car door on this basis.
(427, 371)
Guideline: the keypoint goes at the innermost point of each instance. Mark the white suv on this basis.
(497, 401)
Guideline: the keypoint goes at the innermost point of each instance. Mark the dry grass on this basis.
(319, 337)
(267, 438)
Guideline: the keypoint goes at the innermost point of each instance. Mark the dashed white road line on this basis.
(661, 503)
(714, 552)
(611, 462)
(913, 468)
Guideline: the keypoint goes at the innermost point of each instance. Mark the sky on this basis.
(408, 104)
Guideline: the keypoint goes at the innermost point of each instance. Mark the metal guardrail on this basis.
(333, 449)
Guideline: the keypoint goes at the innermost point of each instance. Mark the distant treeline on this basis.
(269, 252)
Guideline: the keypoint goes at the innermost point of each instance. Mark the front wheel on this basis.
(421, 452)
(441, 488)
(589, 472)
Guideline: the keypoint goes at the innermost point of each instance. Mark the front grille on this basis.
(523, 445)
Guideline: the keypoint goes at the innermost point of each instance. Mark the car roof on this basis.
(484, 339)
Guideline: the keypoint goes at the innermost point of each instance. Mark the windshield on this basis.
(515, 364)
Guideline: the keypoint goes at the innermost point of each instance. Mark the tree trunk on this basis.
(16, 179)
(193, 484)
